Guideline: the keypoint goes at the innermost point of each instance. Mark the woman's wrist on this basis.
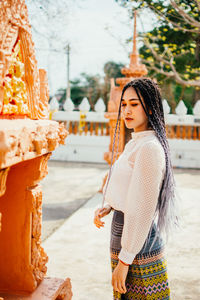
(123, 263)
(108, 206)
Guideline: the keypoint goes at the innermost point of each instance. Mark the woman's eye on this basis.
(124, 104)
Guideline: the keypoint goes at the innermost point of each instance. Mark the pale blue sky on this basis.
(91, 45)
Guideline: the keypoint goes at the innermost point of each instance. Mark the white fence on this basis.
(89, 133)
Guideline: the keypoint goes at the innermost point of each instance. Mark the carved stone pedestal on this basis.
(25, 147)
(49, 289)
(27, 139)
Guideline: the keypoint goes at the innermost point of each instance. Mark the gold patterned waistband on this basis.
(143, 259)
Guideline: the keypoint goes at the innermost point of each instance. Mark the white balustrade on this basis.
(181, 109)
(196, 109)
(54, 104)
(85, 105)
(183, 131)
(166, 107)
(100, 106)
(68, 105)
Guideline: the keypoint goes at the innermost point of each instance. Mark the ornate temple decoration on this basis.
(21, 94)
(27, 139)
(15, 93)
(134, 70)
(3, 177)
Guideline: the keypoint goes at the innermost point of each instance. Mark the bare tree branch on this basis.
(162, 15)
(155, 54)
(195, 83)
(188, 19)
(163, 61)
(152, 66)
(198, 4)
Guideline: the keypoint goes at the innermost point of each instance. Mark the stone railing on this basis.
(82, 122)
(178, 126)
(89, 136)
(182, 125)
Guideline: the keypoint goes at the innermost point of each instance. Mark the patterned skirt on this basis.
(147, 276)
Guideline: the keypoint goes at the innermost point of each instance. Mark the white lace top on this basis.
(134, 188)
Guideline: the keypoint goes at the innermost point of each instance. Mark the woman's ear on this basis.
(150, 112)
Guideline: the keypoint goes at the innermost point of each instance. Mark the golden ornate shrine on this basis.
(23, 87)
(134, 70)
(27, 139)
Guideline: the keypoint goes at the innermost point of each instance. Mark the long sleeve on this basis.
(141, 199)
(103, 190)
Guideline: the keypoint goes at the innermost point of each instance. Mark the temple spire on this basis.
(134, 56)
(135, 34)
(135, 68)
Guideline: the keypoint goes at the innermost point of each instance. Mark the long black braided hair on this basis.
(167, 209)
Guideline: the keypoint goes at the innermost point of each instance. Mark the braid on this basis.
(167, 206)
(113, 148)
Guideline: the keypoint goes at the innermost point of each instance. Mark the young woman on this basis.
(141, 193)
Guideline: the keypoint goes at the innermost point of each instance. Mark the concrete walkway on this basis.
(66, 188)
(79, 250)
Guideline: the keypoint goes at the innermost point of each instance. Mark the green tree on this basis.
(171, 51)
(92, 86)
(111, 70)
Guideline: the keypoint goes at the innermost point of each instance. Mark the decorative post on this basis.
(27, 139)
(84, 107)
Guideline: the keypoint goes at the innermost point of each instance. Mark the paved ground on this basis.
(66, 188)
(79, 250)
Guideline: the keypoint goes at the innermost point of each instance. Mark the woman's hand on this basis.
(100, 213)
(119, 277)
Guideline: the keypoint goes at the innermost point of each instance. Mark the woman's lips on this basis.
(128, 119)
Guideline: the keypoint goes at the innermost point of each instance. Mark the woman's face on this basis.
(132, 111)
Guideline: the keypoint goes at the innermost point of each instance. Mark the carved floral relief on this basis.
(23, 88)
